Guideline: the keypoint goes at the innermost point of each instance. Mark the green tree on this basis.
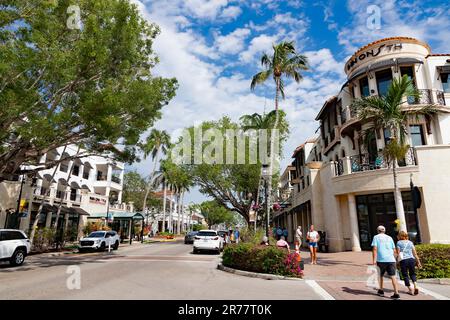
(157, 142)
(386, 112)
(215, 213)
(284, 62)
(134, 190)
(91, 86)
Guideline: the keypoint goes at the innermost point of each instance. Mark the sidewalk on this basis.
(349, 276)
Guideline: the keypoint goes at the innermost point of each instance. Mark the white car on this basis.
(99, 240)
(208, 240)
(14, 246)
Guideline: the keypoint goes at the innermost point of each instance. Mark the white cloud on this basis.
(205, 8)
(257, 45)
(233, 42)
(231, 12)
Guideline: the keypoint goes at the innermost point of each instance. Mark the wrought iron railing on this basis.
(365, 162)
(116, 179)
(440, 98)
(426, 97)
(339, 167)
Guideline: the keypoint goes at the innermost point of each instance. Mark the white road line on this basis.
(433, 294)
(319, 290)
(150, 260)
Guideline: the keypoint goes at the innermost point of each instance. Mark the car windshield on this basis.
(96, 235)
(192, 233)
(207, 234)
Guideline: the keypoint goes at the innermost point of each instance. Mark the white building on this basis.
(342, 184)
(82, 187)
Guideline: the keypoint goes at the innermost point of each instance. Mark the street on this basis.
(170, 271)
(154, 271)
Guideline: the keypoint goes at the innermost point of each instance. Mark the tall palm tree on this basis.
(386, 112)
(285, 62)
(157, 142)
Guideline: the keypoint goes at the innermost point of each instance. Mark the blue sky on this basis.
(213, 48)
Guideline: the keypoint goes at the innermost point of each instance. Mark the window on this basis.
(445, 82)
(409, 71)
(384, 79)
(364, 87)
(12, 235)
(417, 137)
(76, 170)
(387, 136)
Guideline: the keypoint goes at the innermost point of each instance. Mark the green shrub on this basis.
(198, 227)
(435, 259)
(262, 259)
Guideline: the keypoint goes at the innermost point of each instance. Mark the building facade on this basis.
(78, 188)
(341, 183)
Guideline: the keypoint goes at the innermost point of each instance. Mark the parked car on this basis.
(14, 246)
(222, 233)
(208, 240)
(189, 237)
(99, 240)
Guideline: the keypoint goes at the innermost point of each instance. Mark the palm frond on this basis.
(259, 78)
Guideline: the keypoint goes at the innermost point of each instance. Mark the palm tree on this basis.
(284, 62)
(157, 141)
(386, 112)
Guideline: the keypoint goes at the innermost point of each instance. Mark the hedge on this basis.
(261, 259)
(435, 259)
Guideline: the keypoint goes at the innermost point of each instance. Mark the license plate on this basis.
(205, 240)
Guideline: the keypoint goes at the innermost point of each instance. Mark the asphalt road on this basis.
(150, 271)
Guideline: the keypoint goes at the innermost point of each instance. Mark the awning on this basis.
(79, 211)
(86, 187)
(75, 185)
(381, 65)
(87, 164)
(443, 69)
(63, 181)
(118, 215)
(47, 177)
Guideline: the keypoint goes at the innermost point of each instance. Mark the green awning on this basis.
(118, 215)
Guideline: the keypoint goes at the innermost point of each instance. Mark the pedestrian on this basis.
(226, 239)
(299, 236)
(383, 256)
(407, 256)
(285, 233)
(237, 235)
(279, 233)
(283, 244)
(313, 238)
(232, 238)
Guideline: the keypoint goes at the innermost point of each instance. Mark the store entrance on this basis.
(379, 209)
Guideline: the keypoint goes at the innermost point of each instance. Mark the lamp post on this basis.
(265, 174)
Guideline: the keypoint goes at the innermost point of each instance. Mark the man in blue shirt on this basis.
(383, 256)
(236, 235)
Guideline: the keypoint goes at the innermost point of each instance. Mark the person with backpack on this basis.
(279, 233)
(285, 233)
(408, 259)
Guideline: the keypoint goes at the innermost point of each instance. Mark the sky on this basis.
(213, 48)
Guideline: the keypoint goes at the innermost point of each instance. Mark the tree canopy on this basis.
(215, 213)
(134, 189)
(90, 85)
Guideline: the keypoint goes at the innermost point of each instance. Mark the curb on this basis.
(264, 276)
(442, 281)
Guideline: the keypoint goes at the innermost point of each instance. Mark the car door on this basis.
(8, 244)
(2, 246)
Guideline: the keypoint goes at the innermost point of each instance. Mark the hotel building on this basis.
(341, 183)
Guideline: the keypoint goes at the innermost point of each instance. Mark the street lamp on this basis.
(265, 174)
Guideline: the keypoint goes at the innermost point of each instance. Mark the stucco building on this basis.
(341, 183)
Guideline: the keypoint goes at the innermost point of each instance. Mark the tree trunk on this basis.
(398, 200)
(147, 190)
(178, 212)
(163, 229)
(273, 156)
(41, 206)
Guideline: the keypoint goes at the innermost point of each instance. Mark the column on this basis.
(354, 230)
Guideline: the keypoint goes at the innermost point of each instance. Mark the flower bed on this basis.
(435, 260)
(261, 259)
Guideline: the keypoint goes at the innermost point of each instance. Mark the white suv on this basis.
(208, 240)
(14, 246)
(99, 240)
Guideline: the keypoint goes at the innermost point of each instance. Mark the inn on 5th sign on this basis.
(381, 49)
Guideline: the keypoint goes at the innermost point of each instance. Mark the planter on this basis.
(314, 165)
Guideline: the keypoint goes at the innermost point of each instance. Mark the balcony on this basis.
(365, 162)
(428, 96)
(116, 179)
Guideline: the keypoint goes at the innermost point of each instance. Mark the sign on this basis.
(252, 216)
(381, 49)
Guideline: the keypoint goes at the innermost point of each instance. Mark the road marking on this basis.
(156, 260)
(319, 290)
(433, 294)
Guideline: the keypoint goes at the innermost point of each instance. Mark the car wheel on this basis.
(195, 251)
(102, 247)
(18, 257)
(81, 250)
(116, 245)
